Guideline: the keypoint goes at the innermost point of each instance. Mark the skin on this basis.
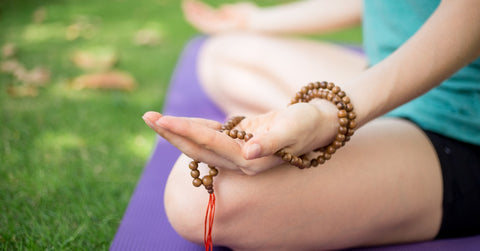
(384, 186)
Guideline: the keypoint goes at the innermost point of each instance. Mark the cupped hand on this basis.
(298, 129)
(208, 20)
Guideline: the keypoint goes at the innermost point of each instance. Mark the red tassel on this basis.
(209, 215)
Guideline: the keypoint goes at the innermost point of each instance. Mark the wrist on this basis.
(327, 119)
(346, 122)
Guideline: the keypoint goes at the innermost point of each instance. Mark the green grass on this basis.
(70, 159)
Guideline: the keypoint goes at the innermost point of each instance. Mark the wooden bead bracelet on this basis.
(322, 90)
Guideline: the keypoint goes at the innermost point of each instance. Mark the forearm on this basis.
(306, 17)
(448, 41)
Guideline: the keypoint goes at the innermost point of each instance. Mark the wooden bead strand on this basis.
(346, 121)
(207, 180)
(228, 129)
(323, 90)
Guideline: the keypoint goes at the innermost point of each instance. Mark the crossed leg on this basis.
(383, 187)
(247, 73)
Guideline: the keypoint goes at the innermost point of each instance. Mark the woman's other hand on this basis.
(228, 17)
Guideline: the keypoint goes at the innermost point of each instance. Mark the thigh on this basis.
(384, 187)
(290, 62)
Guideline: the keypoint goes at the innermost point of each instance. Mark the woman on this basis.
(410, 176)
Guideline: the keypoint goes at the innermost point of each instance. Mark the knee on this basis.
(208, 70)
(183, 205)
(231, 46)
(186, 205)
(224, 58)
(215, 63)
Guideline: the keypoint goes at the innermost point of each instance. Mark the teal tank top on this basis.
(452, 108)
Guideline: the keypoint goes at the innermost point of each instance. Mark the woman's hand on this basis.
(298, 129)
(226, 18)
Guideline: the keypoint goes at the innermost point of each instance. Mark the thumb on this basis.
(258, 147)
(252, 150)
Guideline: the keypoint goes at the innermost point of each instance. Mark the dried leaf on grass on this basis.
(112, 80)
(9, 50)
(38, 76)
(82, 27)
(22, 91)
(10, 66)
(39, 15)
(25, 82)
(147, 37)
(95, 60)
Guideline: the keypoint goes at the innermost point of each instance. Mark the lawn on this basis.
(70, 157)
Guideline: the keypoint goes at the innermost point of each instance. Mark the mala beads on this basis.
(207, 180)
(346, 121)
(323, 90)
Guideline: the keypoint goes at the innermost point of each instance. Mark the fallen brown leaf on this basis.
(147, 37)
(83, 27)
(39, 15)
(38, 76)
(9, 50)
(113, 80)
(22, 91)
(94, 61)
(10, 66)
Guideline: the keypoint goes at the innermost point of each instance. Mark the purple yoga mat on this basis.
(145, 225)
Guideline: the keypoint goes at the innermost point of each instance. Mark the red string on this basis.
(209, 215)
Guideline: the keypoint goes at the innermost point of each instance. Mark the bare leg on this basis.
(248, 73)
(384, 187)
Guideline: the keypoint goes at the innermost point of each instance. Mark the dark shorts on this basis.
(460, 163)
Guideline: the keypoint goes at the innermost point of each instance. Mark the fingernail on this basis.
(253, 151)
(147, 121)
(151, 117)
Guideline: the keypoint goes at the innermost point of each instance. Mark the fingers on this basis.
(271, 134)
(214, 20)
(201, 132)
(208, 123)
(187, 146)
(201, 140)
(205, 134)
(197, 14)
(153, 117)
(292, 128)
(265, 144)
(192, 7)
(205, 18)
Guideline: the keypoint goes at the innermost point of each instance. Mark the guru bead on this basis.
(228, 129)
(207, 180)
